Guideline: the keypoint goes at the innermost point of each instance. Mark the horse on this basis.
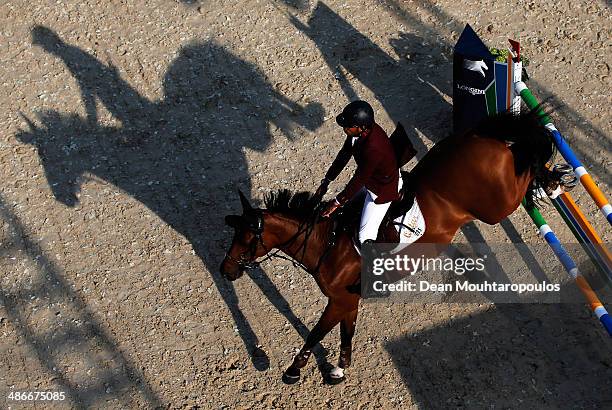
(482, 174)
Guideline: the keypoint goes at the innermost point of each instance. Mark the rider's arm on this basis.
(343, 157)
(359, 179)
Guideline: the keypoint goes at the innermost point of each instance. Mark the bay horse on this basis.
(482, 174)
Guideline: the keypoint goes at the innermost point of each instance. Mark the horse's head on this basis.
(44, 37)
(56, 144)
(247, 244)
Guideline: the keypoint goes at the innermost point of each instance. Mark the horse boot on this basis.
(336, 375)
(368, 278)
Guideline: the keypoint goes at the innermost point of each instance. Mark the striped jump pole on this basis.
(565, 205)
(568, 154)
(570, 266)
(584, 233)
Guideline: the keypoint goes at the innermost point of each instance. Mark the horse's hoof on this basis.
(291, 376)
(332, 381)
(287, 379)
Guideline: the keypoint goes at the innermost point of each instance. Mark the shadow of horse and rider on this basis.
(183, 157)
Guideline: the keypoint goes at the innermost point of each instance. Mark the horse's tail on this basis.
(532, 144)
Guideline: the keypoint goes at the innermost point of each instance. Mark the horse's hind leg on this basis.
(329, 319)
(347, 330)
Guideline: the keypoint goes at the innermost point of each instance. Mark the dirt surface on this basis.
(126, 130)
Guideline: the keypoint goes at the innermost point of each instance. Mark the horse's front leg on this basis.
(331, 317)
(347, 330)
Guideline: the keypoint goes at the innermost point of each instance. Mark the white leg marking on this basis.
(337, 373)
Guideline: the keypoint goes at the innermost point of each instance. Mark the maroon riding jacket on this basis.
(376, 166)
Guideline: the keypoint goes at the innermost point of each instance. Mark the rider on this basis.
(377, 171)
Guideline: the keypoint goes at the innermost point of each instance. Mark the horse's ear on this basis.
(234, 221)
(246, 206)
(28, 121)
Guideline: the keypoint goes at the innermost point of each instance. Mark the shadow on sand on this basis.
(509, 356)
(73, 331)
(182, 157)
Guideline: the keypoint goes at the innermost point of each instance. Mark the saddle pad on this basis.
(411, 225)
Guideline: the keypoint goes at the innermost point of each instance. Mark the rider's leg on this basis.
(371, 217)
(373, 214)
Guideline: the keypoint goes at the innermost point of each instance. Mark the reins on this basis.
(305, 227)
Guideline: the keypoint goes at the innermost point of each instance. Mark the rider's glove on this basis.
(330, 208)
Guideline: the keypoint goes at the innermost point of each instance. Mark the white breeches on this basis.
(372, 215)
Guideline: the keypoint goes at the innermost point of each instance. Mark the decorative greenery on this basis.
(502, 56)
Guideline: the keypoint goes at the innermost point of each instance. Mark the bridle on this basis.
(247, 260)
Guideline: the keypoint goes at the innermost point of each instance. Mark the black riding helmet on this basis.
(358, 113)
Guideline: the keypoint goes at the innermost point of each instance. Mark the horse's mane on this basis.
(524, 129)
(299, 204)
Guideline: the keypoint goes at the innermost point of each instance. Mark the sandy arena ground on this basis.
(127, 128)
